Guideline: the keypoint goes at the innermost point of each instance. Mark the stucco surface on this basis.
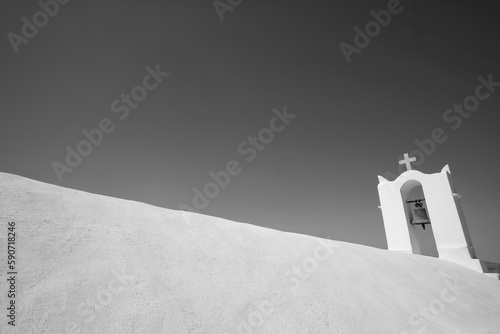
(94, 264)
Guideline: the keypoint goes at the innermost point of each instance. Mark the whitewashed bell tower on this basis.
(448, 223)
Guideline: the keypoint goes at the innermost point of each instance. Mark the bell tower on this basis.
(444, 211)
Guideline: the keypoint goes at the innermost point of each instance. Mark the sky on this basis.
(327, 108)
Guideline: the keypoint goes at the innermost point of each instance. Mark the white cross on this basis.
(407, 161)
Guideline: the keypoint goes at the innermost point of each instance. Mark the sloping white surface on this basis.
(94, 264)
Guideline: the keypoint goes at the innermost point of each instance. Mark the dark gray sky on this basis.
(319, 175)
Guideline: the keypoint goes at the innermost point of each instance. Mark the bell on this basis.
(420, 216)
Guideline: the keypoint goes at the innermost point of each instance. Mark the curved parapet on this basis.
(382, 179)
(446, 169)
(411, 174)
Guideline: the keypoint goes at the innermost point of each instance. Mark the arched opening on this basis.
(422, 240)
